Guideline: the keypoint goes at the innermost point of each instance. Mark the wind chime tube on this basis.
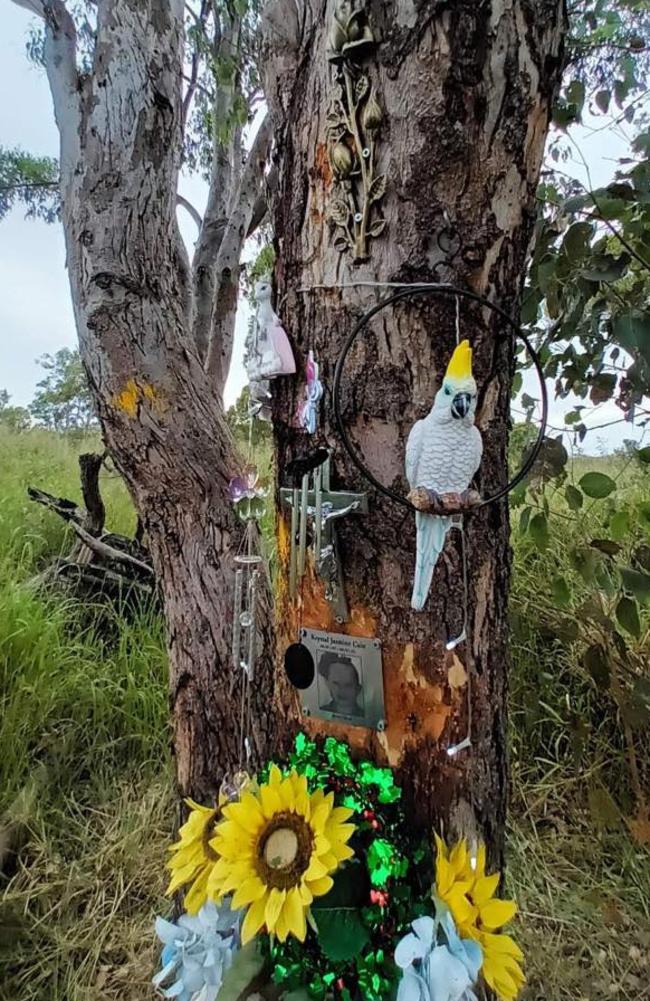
(236, 625)
(318, 511)
(293, 557)
(252, 629)
(302, 545)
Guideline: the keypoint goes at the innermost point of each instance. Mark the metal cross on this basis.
(323, 507)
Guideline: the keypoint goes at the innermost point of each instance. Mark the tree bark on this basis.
(161, 414)
(466, 91)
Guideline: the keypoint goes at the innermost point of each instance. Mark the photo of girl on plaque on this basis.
(348, 683)
(340, 690)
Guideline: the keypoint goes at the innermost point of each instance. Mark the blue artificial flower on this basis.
(197, 951)
(434, 970)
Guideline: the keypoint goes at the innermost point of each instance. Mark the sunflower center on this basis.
(284, 850)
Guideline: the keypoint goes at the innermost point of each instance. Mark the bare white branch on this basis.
(227, 266)
(189, 208)
(33, 6)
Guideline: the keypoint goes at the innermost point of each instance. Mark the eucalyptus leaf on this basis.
(636, 582)
(538, 530)
(573, 496)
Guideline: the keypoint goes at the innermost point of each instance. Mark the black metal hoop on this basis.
(438, 288)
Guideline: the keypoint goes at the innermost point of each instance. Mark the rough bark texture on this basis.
(161, 413)
(466, 89)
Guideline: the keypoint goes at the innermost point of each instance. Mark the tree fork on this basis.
(466, 92)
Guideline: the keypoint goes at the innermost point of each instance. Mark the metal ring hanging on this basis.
(434, 288)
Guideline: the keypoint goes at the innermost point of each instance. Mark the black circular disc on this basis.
(299, 665)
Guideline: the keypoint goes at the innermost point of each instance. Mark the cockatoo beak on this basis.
(460, 405)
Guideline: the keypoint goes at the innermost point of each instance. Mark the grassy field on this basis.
(86, 791)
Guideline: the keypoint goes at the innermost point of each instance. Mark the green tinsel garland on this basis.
(375, 896)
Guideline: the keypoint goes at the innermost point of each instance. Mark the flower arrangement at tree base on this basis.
(308, 877)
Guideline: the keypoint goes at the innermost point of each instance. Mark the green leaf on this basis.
(632, 331)
(585, 561)
(597, 485)
(596, 662)
(524, 520)
(575, 93)
(603, 97)
(606, 268)
(636, 583)
(341, 933)
(561, 591)
(576, 240)
(538, 529)
(627, 615)
(619, 524)
(644, 454)
(641, 556)
(573, 497)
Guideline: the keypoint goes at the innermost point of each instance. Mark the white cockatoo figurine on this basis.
(270, 353)
(443, 453)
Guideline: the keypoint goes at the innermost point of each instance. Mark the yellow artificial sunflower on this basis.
(193, 859)
(461, 882)
(278, 848)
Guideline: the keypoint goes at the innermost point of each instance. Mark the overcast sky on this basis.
(35, 311)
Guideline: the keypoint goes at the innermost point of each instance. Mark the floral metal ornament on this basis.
(197, 952)
(354, 121)
(247, 492)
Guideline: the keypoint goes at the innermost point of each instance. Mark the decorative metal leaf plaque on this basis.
(354, 121)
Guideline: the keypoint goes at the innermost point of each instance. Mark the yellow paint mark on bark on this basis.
(127, 400)
(133, 394)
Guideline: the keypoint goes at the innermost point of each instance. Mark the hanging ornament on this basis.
(268, 352)
(308, 413)
(247, 495)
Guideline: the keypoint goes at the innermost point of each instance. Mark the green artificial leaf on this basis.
(350, 891)
(606, 546)
(247, 964)
(604, 811)
(596, 662)
(619, 524)
(627, 615)
(538, 529)
(341, 933)
(597, 485)
(636, 583)
(561, 591)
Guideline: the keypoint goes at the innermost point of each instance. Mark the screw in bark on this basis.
(354, 120)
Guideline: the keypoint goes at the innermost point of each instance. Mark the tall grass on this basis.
(85, 790)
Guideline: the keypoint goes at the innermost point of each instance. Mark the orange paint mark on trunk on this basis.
(323, 165)
(415, 708)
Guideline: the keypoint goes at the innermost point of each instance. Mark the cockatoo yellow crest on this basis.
(460, 363)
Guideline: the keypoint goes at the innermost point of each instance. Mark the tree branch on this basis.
(61, 69)
(102, 549)
(227, 267)
(189, 208)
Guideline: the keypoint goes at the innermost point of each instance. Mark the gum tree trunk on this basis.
(466, 92)
(161, 412)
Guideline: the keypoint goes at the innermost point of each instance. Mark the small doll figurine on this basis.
(308, 413)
